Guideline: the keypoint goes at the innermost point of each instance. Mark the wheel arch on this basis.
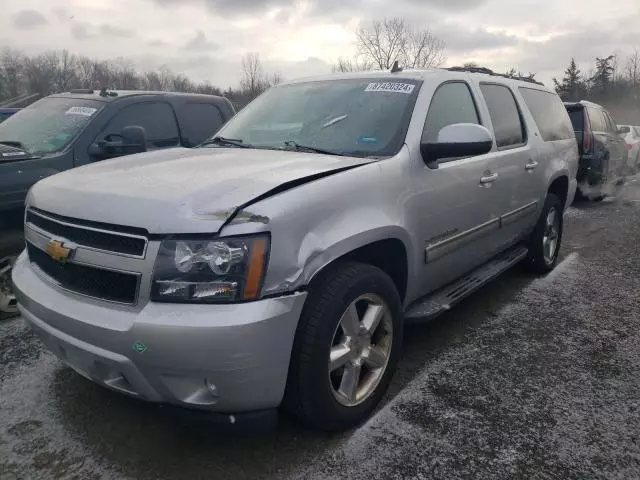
(559, 186)
(388, 254)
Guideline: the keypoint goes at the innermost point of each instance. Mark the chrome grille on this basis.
(77, 231)
(102, 260)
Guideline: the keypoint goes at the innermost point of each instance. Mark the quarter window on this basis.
(549, 113)
(451, 103)
(505, 116)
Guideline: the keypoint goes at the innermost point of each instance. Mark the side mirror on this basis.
(623, 130)
(457, 140)
(133, 139)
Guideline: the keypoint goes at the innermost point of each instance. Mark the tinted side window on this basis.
(507, 124)
(451, 103)
(596, 120)
(157, 119)
(200, 121)
(549, 114)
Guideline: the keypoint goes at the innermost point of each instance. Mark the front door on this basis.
(452, 208)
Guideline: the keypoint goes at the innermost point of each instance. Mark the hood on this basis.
(179, 190)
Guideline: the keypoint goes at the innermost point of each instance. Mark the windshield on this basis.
(48, 125)
(361, 117)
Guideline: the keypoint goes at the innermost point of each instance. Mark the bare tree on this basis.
(632, 68)
(385, 41)
(422, 49)
(252, 76)
(40, 72)
(274, 79)
(11, 72)
(355, 65)
(65, 77)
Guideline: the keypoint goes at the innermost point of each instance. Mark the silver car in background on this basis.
(275, 265)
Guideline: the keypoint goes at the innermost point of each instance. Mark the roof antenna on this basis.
(396, 67)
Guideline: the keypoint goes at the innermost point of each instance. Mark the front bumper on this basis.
(223, 358)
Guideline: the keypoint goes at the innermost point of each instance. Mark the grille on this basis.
(111, 242)
(93, 282)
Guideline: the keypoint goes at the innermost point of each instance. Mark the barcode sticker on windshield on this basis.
(390, 87)
(84, 111)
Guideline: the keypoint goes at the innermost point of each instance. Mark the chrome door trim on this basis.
(437, 250)
(517, 214)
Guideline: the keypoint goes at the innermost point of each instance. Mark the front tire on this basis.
(346, 347)
(545, 241)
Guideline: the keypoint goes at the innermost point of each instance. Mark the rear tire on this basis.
(545, 241)
(319, 393)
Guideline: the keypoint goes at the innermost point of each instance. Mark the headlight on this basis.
(210, 271)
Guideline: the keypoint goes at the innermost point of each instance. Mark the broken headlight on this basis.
(210, 271)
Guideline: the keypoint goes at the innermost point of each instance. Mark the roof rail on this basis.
(488, 71)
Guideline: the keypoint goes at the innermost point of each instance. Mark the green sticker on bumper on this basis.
(140, 347)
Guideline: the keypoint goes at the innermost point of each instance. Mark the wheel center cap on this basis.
(360, 344)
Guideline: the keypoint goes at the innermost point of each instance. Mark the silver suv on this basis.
(275, 264)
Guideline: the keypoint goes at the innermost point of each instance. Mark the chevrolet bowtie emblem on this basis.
(58, 251)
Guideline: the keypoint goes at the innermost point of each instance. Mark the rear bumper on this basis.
(221, 358)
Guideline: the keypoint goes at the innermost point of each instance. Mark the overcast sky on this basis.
(205, 39)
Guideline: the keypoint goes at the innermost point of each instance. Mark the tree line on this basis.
(59, 71)
(613, 82)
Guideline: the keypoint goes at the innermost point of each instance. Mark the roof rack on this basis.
(488, 71)
(81, 90)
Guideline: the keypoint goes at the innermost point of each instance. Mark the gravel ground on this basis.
(529, 378)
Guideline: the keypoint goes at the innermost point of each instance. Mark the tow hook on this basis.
(8, 303)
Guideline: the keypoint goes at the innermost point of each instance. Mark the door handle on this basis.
(531, 164)
(489, 178)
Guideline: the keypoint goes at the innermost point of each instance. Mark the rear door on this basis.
(507, 166)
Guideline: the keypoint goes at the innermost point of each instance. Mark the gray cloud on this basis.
(460, 39)
(80, 31)
(200, 43)
(84, 31)
(448, 4)
(157, 43)
(227, 7)
(25, 19)
(112, 31)
(61, 13)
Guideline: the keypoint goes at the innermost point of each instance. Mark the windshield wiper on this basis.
(14, 143)
(226, 141)
(305, 148)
